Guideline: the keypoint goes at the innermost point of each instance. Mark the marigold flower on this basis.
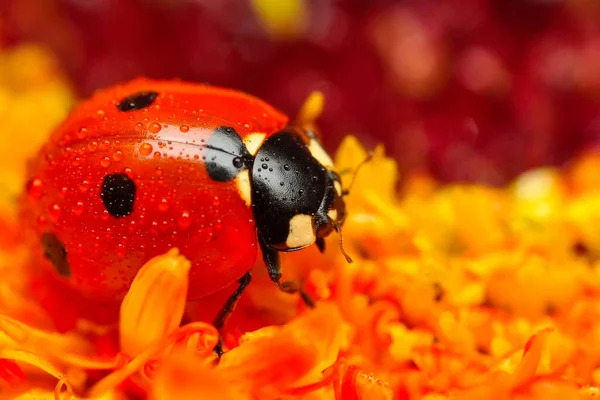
(456, 292)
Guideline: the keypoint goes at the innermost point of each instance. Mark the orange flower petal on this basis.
(155, 303)
(184, 377)
(290, 357)
(532, 355)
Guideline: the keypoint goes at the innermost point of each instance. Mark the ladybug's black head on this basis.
(296, 196)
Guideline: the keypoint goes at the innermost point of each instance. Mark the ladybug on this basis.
(149, 165)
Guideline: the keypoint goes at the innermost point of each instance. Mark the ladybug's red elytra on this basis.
(149, 165)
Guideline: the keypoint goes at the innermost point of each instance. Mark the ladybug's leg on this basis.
(271, 258)
(321, 244)
(228, 308)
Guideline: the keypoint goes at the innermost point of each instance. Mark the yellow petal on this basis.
(282, 19)
(311, 109)
(154, 305)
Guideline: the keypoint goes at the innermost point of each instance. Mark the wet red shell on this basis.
(176, 203)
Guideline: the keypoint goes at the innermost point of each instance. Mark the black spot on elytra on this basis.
(118, 195)
(137, 101)
(55, 252)
(225, 154)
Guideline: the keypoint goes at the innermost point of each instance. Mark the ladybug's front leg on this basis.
(271, 259)
(228, 308)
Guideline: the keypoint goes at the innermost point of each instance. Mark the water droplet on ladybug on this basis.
(238, 162)
(184, 221)
(163, 205)
(286, 167)
(63, 191)
(120, 250)
(54, 212)
(117, 155)
(184, 128)
(264, 166)
(216, 201)
(281, 183)
(104, 145)
(41, 221)
(92, 146)
(100, 113)
(154, 127)
(157, 155)
(146, 149)
(82, 133)
(35, 188)
(84, 186)
(78, 208)
(158, 171)
(105, 162)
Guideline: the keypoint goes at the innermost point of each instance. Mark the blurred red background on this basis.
(474, 90)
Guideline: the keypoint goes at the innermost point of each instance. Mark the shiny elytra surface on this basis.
(159, 148)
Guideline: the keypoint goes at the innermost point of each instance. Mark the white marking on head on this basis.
(302, 233)
(253, 142)
(332, 214)
(242, 181)
(338, 187)
(319, 154)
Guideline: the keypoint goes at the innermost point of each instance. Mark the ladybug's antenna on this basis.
(338, 229)
(368, 158)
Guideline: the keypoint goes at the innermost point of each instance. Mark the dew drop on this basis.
(184, 221)
(54, 211)
(184, 128)
(100, 113)
(163, 205)
(120, 250)
(146, 149)
(154, 127)
(41, 221)
(104, 145)
(238, 162)
(286, 167)
(117, 155)
(216, 202)
(264, 166)
(35, 188)
(84, 186)
(82, 133)
(105, 162)
(92, 146)
(78, 208)
(159, 171)
(157, 155)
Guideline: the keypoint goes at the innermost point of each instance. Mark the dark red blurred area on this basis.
(474, 90)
